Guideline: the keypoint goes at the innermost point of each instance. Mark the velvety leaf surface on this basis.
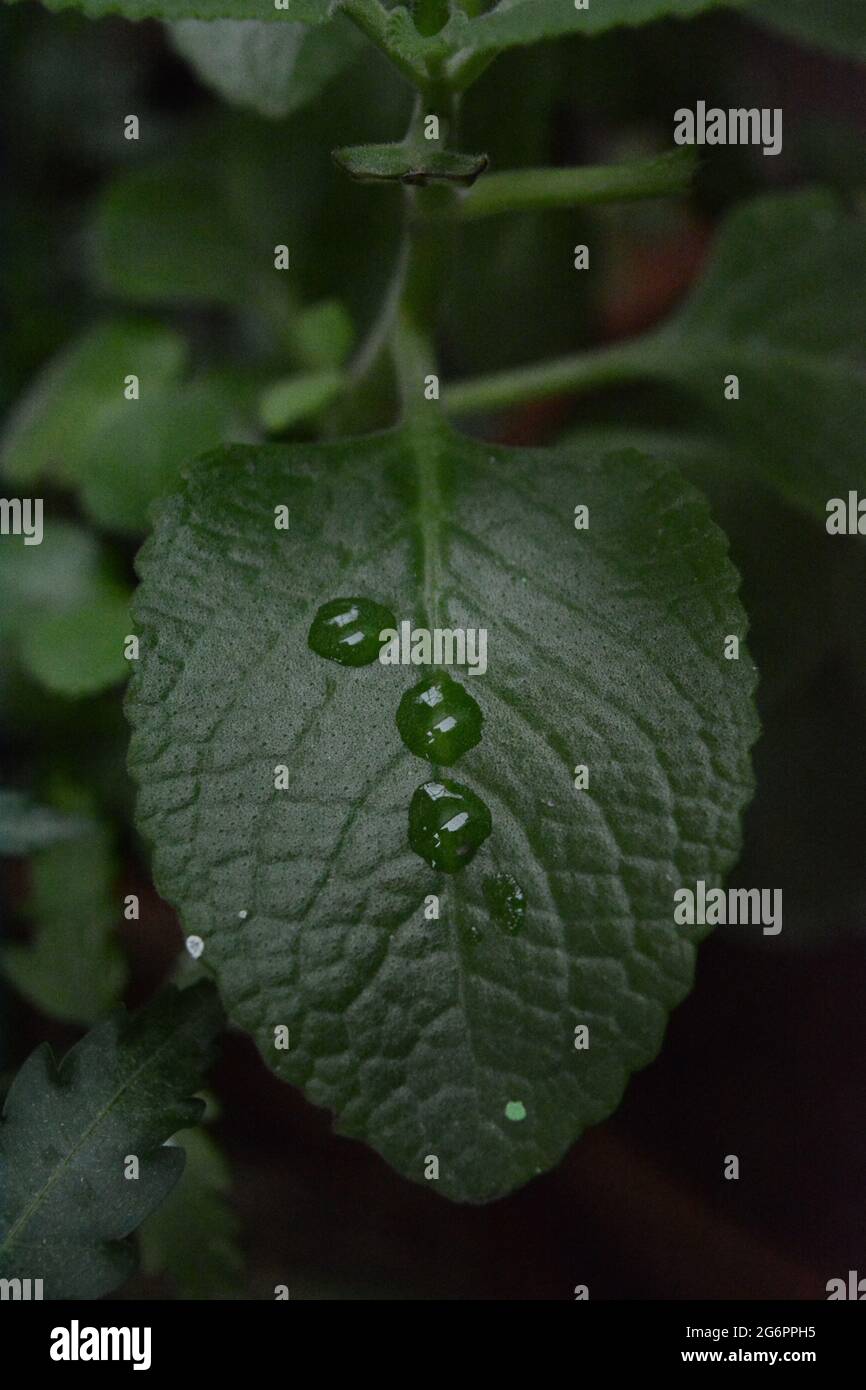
(66, 1208)
(605, 649)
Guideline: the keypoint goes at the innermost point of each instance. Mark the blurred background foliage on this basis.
(164, 245)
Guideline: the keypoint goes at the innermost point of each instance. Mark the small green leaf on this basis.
(66, 571)
(272, 69)
(324, 334)
(408, 164)
(782, 306)
(26, 826)
(75, 969)
(297, 398)
(201, 226)
(167, 233)
(62, 611)
(605, 649)
(80, 652)
(837, 25)
(66, 1206)
(136, 454)
(192, 1237)
(67, 401)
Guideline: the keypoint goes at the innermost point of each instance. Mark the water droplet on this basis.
(439, 720)
(506, 900)
(195, 946)
(515, 1110)
(447, 825)
(347, 630)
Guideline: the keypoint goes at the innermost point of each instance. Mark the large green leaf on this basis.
(273, 69)
(605, 649)
(839, 25)
(66, 1204)
(515, 22)
(75, 968)
(782, 305)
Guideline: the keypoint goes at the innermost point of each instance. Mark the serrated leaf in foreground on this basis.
(605, 649)
(66, 1207)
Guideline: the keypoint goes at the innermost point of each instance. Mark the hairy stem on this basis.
(525, 189)
(371, 18)
(408, 320)
(429, 232)
(465, 68)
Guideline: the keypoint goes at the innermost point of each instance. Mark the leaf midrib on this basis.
(426, 445)
(428, 448)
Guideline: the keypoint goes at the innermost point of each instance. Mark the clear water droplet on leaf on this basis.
(439, 720)
(347, 630)
(448, 824)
